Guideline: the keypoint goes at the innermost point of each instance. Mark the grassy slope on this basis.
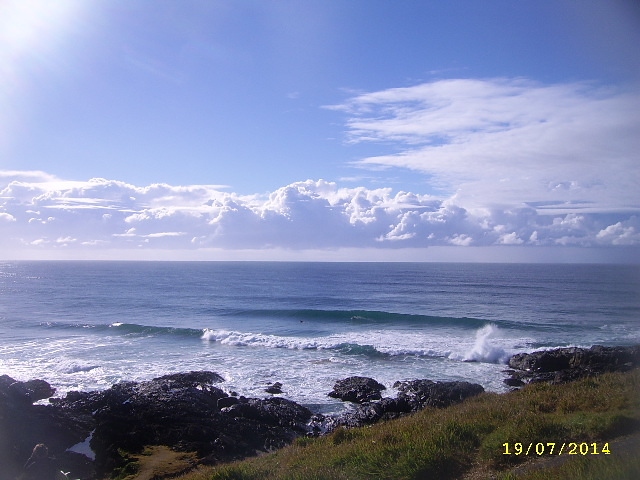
(467, 440)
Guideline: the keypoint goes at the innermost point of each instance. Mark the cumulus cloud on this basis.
(101, 214)
(508, 142)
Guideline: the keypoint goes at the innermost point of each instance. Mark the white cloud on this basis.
(621, 233)
(510, 239)
(461, 240)
(508, 142)
(102, 215)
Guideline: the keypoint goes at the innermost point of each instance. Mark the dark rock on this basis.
(226, 402)
(183, 411)
(413, 396)
(192, 378)
(357, 389)
(174, 410)
(30, 391)
(275, 388)
(419, 394)
(272, 411)
(320, 424)
(5, 381)
(365, 414)
(186, 412)
(23, 425)
(372, 412)
(563, 365)
(513, 382)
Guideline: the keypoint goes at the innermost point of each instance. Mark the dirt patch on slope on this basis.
(159, 462)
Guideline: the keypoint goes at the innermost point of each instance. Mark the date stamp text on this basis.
(553, 448)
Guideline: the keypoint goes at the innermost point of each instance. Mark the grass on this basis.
(460, 440)
(153, 462)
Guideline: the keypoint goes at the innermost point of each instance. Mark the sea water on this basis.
(88, 325)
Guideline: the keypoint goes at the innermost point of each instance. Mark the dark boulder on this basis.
(275, 388)
(364, 414)
(563, 365)
(33, 390)
(29, 392)
(227, 402)
(419, 394)
(372, 412)
(357, 389)
(194, 378)
(513, 382)
(278, 412)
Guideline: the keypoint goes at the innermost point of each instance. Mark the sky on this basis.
(365, 130)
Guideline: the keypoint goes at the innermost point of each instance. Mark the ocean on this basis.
(88, 325)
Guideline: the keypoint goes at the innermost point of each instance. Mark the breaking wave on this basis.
(376, 341)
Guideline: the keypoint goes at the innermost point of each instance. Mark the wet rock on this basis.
(513, 382)
(272, 411)
(419, 394)
(227, 402)
(365, 414)
(194, 378)
(357, 389)
(563, 365)
(413, 396)
(30, 391)
(275, 388)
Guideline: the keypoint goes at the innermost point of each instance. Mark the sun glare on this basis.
(31, 32)
(29, 24)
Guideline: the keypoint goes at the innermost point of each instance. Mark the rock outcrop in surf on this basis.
(563, 365)
(357, 389)
(412, 396)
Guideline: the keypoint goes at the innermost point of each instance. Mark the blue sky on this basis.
(503, 123)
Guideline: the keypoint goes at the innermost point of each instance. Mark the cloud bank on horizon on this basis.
(514, 163)
(40, 212)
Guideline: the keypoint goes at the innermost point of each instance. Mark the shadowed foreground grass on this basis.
(468, 440)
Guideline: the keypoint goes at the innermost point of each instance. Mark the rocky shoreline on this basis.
(88, 431)
(563, 365)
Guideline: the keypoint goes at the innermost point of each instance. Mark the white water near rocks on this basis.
(87, 325)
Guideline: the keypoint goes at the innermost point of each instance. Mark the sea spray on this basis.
(483, 350)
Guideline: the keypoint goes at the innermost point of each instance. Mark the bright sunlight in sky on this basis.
(439, 130)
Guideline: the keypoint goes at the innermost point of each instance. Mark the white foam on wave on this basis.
(484, 348)
(393, 343)
(76, 367)
(249, 339)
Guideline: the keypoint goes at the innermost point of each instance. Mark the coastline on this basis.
(189, 412)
